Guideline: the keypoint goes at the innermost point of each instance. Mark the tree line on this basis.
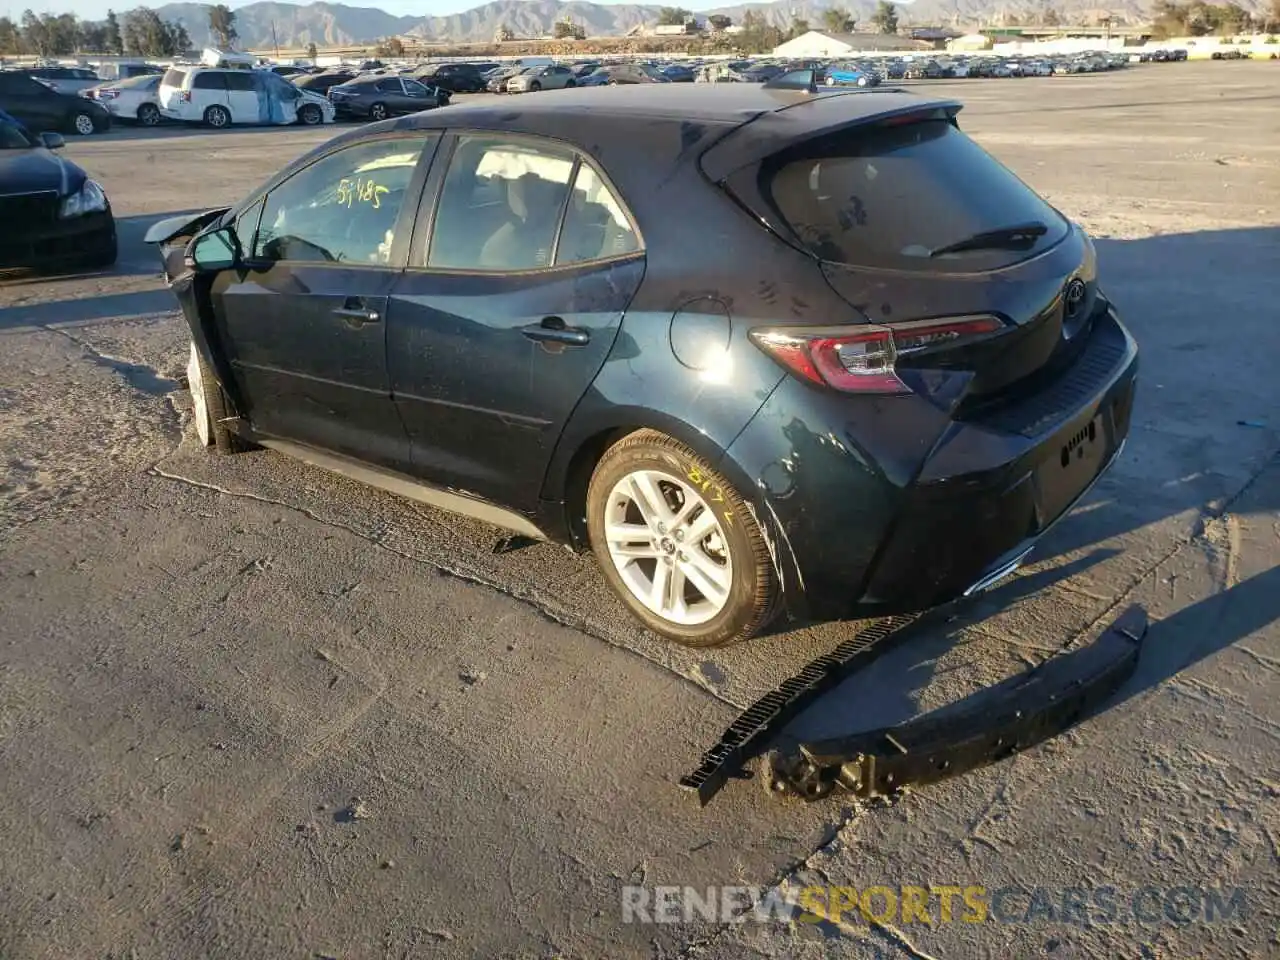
(139, 32)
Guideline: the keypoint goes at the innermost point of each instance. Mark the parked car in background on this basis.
(220, 97)
(40, 107)
(595, 77)
(320, 83)
(453, 77)
(555, 76)
(761, 73)
(289, 71)
(136, 98)
(377, 98)
(628, 73)
(52, 212)
(678, 73)
(496, 80)
(847, 74)
(63, 79)
(112, 70)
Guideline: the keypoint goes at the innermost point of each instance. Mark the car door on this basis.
(501, 321)
(418, 95)
(390, 91)
(304, 324)
(31, 102)
(247, 97)
(208, 89)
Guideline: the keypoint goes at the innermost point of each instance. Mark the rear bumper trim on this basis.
(985, 728)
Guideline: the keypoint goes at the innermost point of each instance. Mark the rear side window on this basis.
(238, 81)
(889, 196)
(174, 78)
(208, 81)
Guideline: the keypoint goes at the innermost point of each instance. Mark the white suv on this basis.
(221, 97)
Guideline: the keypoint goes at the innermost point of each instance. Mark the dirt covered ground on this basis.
(250, 710)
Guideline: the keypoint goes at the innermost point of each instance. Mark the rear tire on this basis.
(378, 111)
(149, 115)
(570, 84)
(82, 124)
(217, 117)
(678, 544)
(310, 115)
(210, 408)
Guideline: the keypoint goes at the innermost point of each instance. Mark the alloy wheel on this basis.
(378, 112)
(668, 547)
(148, 115)
(83, 124)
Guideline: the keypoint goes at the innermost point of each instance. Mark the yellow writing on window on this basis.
(361, 190)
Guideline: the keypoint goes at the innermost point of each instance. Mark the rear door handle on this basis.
(355, 314)
(553, 330)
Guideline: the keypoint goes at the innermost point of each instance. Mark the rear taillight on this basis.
(861, 359)
(184, 96)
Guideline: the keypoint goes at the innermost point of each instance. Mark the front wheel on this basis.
(378, 112)
(209, 407)
(677, 543)
(535, 87)
(570, 84)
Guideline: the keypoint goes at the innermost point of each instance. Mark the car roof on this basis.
(726, 103)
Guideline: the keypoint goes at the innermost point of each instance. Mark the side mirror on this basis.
(52, 141)
(217, 250)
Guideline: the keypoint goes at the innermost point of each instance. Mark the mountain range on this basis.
(262, 25)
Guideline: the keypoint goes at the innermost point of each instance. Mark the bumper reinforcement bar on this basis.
(761, 721)
(982, 729)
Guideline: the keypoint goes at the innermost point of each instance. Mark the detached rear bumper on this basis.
(984, 729)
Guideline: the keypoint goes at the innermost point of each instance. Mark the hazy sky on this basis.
(97, 9)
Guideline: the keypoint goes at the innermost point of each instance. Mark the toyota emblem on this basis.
(1073, 298)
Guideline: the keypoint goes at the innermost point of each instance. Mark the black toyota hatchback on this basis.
(759, 349)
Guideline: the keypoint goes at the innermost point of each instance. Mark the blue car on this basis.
(849, 75)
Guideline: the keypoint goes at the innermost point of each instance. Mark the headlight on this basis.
(91, 199)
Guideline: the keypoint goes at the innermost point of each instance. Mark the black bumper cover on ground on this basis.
(983, 729)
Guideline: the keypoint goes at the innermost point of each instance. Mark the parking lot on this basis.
(249, 709)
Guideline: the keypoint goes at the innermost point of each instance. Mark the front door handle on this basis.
(356, 315)
(553, 330)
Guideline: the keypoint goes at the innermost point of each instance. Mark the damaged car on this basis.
(762, 349)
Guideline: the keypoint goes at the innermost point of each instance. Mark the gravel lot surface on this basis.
(251, 710)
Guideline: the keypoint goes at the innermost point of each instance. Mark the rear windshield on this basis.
(889, 196)
(174, 78)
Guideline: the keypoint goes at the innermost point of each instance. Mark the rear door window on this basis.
(208, 81)
(889, 196)
(238, 81)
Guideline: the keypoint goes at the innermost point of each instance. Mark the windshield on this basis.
(14, 138)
